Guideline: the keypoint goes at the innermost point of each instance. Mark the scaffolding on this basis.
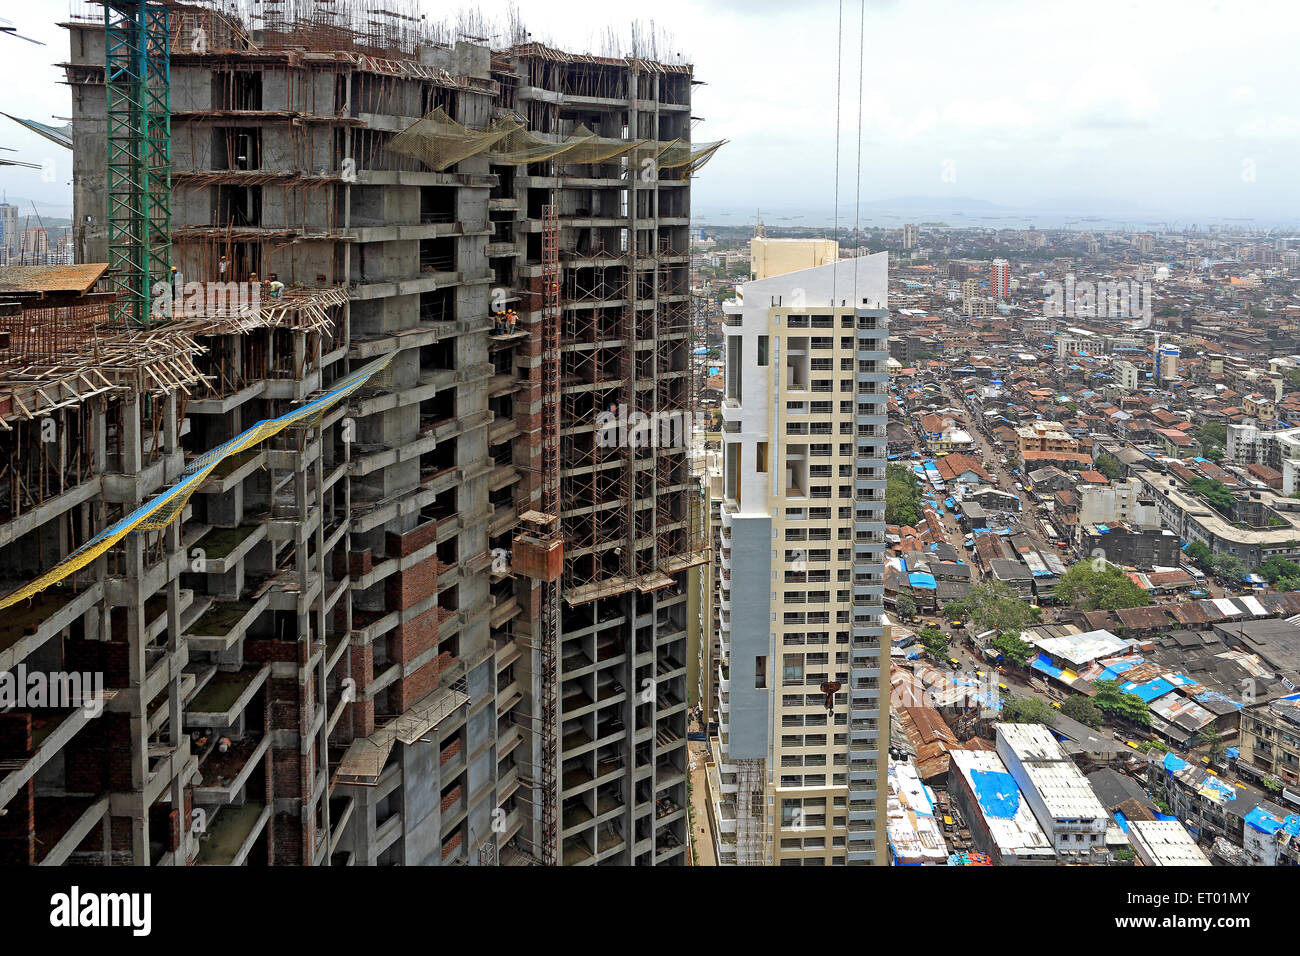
(629, 404)
(550, 487)
(751, 813)
(156, 514)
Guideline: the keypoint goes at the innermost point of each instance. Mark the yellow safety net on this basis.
(440, 142)
(688, 157)
(161, 511)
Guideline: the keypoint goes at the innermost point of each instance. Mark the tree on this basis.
(1121, 704)
(1083, 710)
(1200, 552)
(1087, 588)
(1215, 492)
(1210, 738)
(1108, 465)
(905, 605)
(1013, 648)
(1213, 433)
(1275, 568)
(1228, 567)
(1214, 453)
(934, 641)
(902, 496)
(991, 605)
(1027, 710)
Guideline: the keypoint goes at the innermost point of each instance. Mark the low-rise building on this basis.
(915, 836)
(1143, 548)
(1270, 738)
(1057, 792)
(1000, 820)
(1164, 843)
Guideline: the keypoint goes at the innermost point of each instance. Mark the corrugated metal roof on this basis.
(79, 278)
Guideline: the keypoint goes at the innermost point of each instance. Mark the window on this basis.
(793, 669)
(760, 672)
(762, 350)
(760, 458)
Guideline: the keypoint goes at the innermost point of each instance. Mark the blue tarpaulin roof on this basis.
(922, 579)
(1218, 786)
(1266, 823)
(1148, 691)
(1044, 663)
(1213, 696)
(1174, 764)
(1121, 820)
(997, 793)
(1115, 668)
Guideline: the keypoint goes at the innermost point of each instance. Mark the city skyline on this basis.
(1118, 132)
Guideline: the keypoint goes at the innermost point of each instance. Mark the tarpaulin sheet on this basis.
(1148, 691)
(1266, 823)
(1044, 663)
(997, 793)
(1174, 764)
(1113, 670)
(922, 579)
(1213, 696)
(1214, 788)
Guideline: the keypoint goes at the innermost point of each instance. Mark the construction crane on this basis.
(7, 26)
(137, 79)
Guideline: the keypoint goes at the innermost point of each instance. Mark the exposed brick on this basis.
(261, 652)
(15, 735)
(401, 545)
(405, 588)
(362, 673)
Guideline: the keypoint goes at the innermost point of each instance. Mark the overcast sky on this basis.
(1186, 110)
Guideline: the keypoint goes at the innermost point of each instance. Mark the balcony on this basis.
(230, 835)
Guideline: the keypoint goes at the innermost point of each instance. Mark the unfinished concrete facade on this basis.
(629, 508)
(336, 665)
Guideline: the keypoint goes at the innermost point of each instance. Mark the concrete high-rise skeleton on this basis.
(337, 652)
(798, 766)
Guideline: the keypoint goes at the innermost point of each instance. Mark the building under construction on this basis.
(379, 568)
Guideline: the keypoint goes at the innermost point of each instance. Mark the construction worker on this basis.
(511, 319)
(223, 264)
(275, 287)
